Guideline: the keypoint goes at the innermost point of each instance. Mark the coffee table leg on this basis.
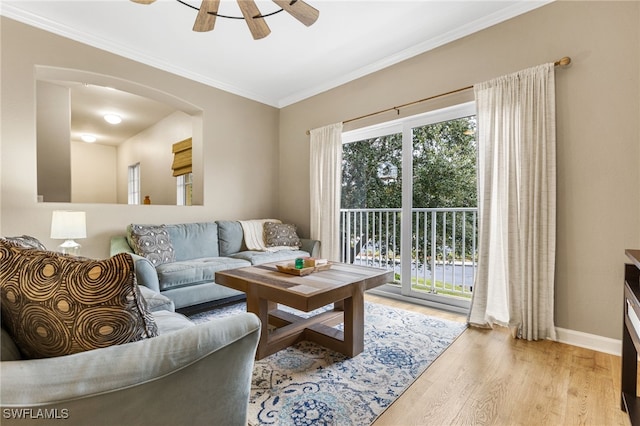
(354, 322)
(260, 307)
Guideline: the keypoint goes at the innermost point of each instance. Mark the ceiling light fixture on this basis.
(208, 11)
(112, 118)
(88, 138)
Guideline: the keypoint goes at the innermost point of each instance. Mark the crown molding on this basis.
(425, 46)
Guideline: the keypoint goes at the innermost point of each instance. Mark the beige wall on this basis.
(54, 153)
(239, 143)
(93, 173)
(152, 148)
(597, 133)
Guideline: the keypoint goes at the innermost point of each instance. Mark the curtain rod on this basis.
(559, 63)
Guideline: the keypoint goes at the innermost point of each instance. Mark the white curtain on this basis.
(326, 177)
(516, 203)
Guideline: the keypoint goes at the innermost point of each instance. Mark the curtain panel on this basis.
(325, 188)
(517, 203)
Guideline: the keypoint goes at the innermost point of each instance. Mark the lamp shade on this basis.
(66, 225)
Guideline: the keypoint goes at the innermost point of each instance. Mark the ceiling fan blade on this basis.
(258, 26)
(205, 21)
(143, 1)
(299, 10)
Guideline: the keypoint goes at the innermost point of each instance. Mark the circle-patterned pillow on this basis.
(281, 235)
(54, 305)
(152, 242)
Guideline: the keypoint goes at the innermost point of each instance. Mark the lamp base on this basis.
(69, 247)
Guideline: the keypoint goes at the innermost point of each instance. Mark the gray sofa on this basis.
(201, 249)
(188, 374)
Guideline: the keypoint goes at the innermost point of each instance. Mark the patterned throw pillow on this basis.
(281, 235)
(152, 242)
(25, 241)
(54, 305)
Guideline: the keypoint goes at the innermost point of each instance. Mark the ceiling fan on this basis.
(208, 11)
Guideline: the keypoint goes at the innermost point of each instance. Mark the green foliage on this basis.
(361, 187)
(444, 168)
(444, 164)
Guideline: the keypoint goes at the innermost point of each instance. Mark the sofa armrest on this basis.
(197, 375)
(145, 271)
(310, 246)
(119, 244)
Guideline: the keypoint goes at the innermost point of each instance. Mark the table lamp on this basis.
(67, 225)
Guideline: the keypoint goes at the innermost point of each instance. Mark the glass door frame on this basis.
(406, 126)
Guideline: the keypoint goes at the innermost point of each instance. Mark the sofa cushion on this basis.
(54, 305)
(171, 321)
(195, 271)
(152, 242)
(156, 301)
(259, 257)
(281, 235)
(194, 240)
(230, 237)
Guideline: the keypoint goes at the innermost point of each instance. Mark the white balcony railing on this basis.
(443, 246)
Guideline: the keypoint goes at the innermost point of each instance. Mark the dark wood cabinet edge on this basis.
(629, 401)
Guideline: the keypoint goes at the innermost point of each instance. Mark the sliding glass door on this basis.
(409, 202)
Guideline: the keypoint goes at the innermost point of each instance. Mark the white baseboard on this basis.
(589, 341)
(563, 335)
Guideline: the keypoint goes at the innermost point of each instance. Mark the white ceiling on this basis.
(90, 103)
(349, 40)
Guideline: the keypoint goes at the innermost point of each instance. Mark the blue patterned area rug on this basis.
(307, 384)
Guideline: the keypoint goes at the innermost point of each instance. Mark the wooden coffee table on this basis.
(343, 285)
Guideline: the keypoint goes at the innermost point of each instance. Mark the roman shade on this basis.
(181, 157)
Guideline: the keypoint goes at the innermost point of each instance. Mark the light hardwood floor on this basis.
(488, 378)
